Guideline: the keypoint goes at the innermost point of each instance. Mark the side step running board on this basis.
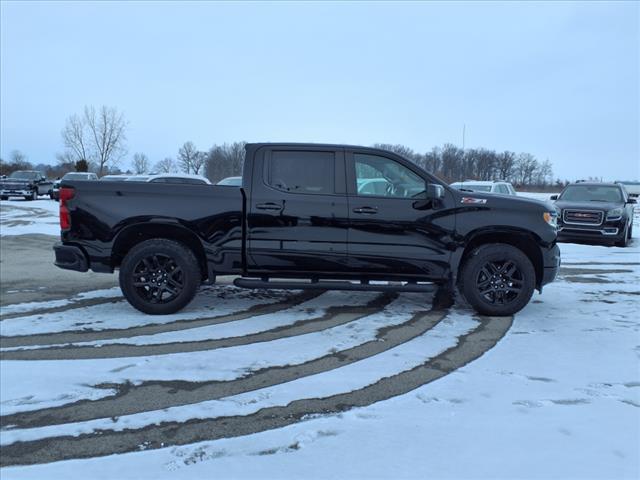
(334, 285)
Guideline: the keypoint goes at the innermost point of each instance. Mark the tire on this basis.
(497, 279)
(33, 196)
(4, 198)
(624, 241)
(148, 265)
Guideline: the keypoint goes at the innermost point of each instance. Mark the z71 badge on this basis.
(473, 200)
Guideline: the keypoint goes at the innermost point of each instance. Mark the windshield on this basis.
(474, 187)
(231, 181)
(113, 178)
(591, 193)
(25, 175)
(75, 176)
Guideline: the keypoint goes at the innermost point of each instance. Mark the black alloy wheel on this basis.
(497, 279)
(159, 276)
(499, 283)
(158, 279)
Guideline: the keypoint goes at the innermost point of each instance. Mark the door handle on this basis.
(269, 206)
(366, 210)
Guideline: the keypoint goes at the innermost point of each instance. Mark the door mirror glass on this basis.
(435, 191)
(553, 197)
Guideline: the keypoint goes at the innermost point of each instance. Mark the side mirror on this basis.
(434, 191)
(632, 200)
(553, 197)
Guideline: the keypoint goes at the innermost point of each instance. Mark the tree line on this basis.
(454, 164)
(96, 140)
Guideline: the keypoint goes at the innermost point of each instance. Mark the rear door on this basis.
(388, 235)
(298, 217)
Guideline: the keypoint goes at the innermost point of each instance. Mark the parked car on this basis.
(504, 188)
(633, 188)
(114, 178)
(595, 213)
(231, 182)
(299, 216)
(55, 191)
(25, 183)
(183, 178)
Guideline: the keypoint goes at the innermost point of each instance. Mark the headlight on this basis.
(614, 214)
(551, 218)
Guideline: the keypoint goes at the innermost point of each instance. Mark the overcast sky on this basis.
(560, 80)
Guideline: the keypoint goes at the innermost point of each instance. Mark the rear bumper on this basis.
(70, 257)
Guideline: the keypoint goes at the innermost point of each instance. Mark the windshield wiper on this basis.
(594, 200)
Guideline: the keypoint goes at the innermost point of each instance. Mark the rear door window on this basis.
(301, 172)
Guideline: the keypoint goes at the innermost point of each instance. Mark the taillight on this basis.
(66, 193)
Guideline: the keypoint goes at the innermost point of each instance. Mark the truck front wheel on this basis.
(159, 276)
(497, 279)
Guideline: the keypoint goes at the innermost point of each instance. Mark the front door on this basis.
(390, 234)
(298, 213)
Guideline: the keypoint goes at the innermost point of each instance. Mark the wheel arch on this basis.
(524, 240)
(135, 234)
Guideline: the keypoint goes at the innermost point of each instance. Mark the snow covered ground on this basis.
(20, 217)
(339, 385)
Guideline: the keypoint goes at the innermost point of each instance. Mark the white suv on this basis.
(503, 188)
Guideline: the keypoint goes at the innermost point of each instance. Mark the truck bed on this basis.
(105, 215)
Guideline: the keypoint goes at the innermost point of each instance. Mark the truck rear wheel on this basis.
(159, 276)
(498, 279)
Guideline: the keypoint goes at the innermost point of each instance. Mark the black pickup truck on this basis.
(316, 217)
(25, 183)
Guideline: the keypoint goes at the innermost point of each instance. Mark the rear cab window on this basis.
(306, 172)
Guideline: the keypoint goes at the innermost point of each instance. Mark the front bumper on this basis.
(70, 257)
(551, 265)
(609, 231)
(16, 193)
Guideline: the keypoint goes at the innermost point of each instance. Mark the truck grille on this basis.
(582, 217)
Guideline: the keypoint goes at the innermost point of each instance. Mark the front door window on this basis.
(383, 177)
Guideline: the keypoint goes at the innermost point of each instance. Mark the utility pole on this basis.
(464, 127)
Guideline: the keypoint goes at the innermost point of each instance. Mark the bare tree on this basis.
(167, 165)
(198, 162)
(544, 173)
(186, 156)
(526, 165)
(140, 163)
(99, 137)
(76, 139)
(17, 161)
(225, 160)
(65, 158)
(18, 157)
(504, 165)
(107, 132)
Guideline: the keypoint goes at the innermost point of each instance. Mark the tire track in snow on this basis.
(469, 347)
(82, 303)
(333, 317)
(153, 328)
(156, 395)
